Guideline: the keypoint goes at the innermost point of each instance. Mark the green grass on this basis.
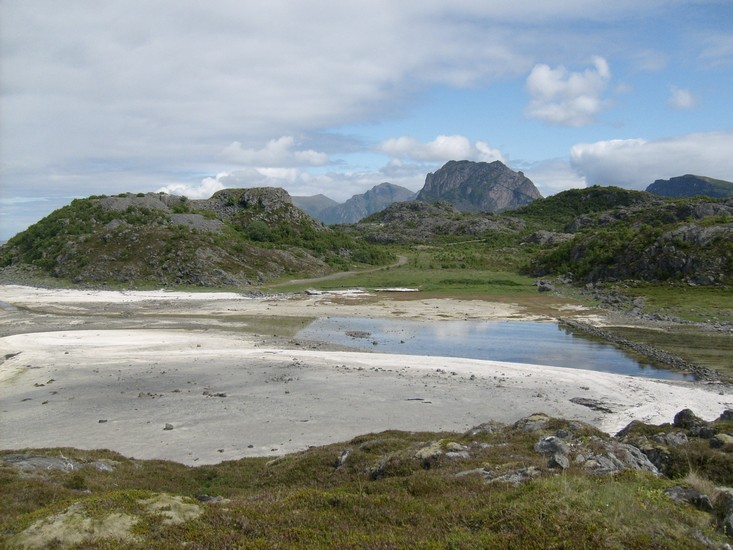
(698, 303)
(382, 496)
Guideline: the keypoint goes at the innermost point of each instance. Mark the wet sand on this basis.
(191, 377)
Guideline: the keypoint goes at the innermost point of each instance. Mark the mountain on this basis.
(314, 204)
(690, 186)
(479, 187)
(357, 207)
(236, 237)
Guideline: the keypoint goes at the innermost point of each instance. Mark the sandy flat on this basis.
(225, 394)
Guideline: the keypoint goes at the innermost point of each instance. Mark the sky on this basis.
(317, 96)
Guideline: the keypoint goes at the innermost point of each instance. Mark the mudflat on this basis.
(202, 377)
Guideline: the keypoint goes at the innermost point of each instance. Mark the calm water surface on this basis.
(515, 341)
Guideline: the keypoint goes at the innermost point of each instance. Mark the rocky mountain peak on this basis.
(357, 207)
(479, 186)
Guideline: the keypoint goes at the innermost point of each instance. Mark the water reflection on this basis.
(515, 341)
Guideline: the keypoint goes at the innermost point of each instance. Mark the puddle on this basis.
(514, 341)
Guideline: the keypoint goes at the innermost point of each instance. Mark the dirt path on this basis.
(401, 260)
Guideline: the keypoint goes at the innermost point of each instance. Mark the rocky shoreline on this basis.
(654, 354)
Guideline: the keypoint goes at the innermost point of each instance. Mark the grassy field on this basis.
(384, 490)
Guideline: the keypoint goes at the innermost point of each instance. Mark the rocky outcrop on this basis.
(690, 186)
(357, 207)
(479, 187)
(421, 222)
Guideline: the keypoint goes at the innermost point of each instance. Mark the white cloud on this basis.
(718, 51)
(441, 149)
(635, 163)
(277, 152)
(553, 175)
(203, 190)
(681, 99)
(559, 96)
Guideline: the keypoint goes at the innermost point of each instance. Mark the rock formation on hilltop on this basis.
(479, 187)
(690, 186)
(357, 207)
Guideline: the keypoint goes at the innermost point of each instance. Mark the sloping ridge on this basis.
(358, 207)
(691, 185)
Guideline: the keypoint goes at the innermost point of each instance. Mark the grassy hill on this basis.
(238, 237)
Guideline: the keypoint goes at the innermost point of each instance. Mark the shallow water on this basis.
(515, 341)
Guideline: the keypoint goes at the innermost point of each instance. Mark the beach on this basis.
(203, 377)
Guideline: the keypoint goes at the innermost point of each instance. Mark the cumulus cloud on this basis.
(559, 96)
(277, 152)
(553, 175)
(441, 149)
(635, 163)
(681, 99)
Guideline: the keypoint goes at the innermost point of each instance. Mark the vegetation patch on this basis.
(494, 486)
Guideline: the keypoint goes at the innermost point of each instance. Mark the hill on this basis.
(641, 237)
(237, 237)
(314, 204)
(479, 187)
(357, 207)
(691, 186)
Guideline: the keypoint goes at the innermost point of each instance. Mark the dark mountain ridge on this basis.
(357, 207)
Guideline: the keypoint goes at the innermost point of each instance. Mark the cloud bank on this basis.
(635, 163)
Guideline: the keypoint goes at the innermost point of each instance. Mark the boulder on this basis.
(688, 420)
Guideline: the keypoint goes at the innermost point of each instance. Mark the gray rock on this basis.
(533, 423)
(616, 457)
(343, 457)
(544, 286)
(464, 455)
(42, 462)
(726, 415)
(671, 439)
(490, 427)
(721, 440)
(168, 427)
(691, 496)
(515, 477)
(552, 445)
(686, 419)
(559, 461)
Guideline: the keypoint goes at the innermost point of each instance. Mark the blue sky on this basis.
(335, 97)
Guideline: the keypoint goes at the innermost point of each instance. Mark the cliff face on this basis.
(479, 187)
(357, 207)
(691, 186)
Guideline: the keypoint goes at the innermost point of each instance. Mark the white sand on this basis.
(229, 395)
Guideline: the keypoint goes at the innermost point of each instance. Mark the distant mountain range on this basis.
(357, 207)
(690, 186)
(468, 186)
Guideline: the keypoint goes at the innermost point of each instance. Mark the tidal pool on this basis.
(541, 343)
